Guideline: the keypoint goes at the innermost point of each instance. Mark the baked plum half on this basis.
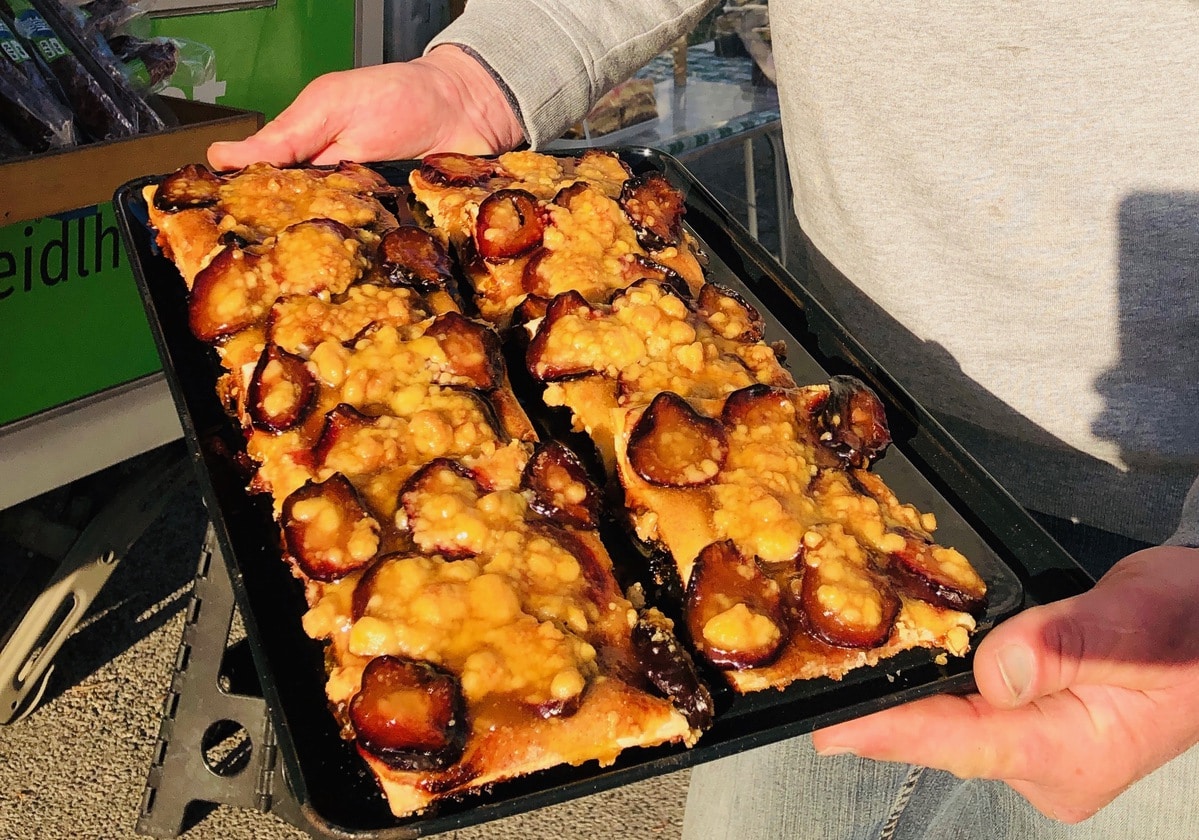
(282, 390)
(413, 257)
(327, 530)
(568, 196)
(758, 405)
(436, 500)
(669, 668)
(451, 169)
(191, 186)
(531, 307)
(410, 714)
(560, 488)
(222, 302)
(562, 306)
(672, 445)
(342, 422)
(532, 279)
(473, 349)
(846, 603)
(640, 269)
(940, 576)
(852, 423)
(655, 209)
(510, 224)
(735, 613)
(729, 314)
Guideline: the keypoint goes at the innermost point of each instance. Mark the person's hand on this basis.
(1077, 699)
(445, 101)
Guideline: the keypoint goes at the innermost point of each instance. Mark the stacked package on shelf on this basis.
(75, 74)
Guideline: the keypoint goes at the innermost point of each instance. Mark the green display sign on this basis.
(71, 321)
(266, 56)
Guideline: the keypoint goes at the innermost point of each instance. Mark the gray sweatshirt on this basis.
(1012, 191)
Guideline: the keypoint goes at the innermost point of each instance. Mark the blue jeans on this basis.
(785, 790)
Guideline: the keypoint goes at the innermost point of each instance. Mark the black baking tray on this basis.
(336, 792)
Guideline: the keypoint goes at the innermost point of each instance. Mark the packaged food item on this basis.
(93, 51)
(30, 109)
(95, 109)
(112, 16)
(148, 64)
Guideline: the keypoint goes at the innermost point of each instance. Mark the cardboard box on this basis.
(55, 182)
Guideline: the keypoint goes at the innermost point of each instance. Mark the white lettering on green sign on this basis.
(82, 246)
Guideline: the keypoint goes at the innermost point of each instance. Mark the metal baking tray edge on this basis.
(336, 792)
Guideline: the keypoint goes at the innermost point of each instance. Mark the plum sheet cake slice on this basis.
(451, 563)
(529, 225)
(450, 559)
(793, 560)
(790, 559)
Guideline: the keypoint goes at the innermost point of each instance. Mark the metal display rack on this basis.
(201, 707)
(84, 558)
(213, 700)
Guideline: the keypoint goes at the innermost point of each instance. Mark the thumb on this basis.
(298, 134)
(280, 142)
(1114, 634)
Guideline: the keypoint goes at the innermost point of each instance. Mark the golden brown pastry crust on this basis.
(777, 492)
(428, 525)
(588, 244)
(383, 425)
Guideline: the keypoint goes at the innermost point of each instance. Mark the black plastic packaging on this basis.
(92, 50)
(30, 107)
(10, 146)
(96, 110)
(110, 16)
(147, 62)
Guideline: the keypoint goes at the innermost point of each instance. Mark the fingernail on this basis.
(833, 750)
(1015, 667)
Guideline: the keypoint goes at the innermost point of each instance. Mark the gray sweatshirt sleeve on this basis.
(1188, 528)
(557, 57)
